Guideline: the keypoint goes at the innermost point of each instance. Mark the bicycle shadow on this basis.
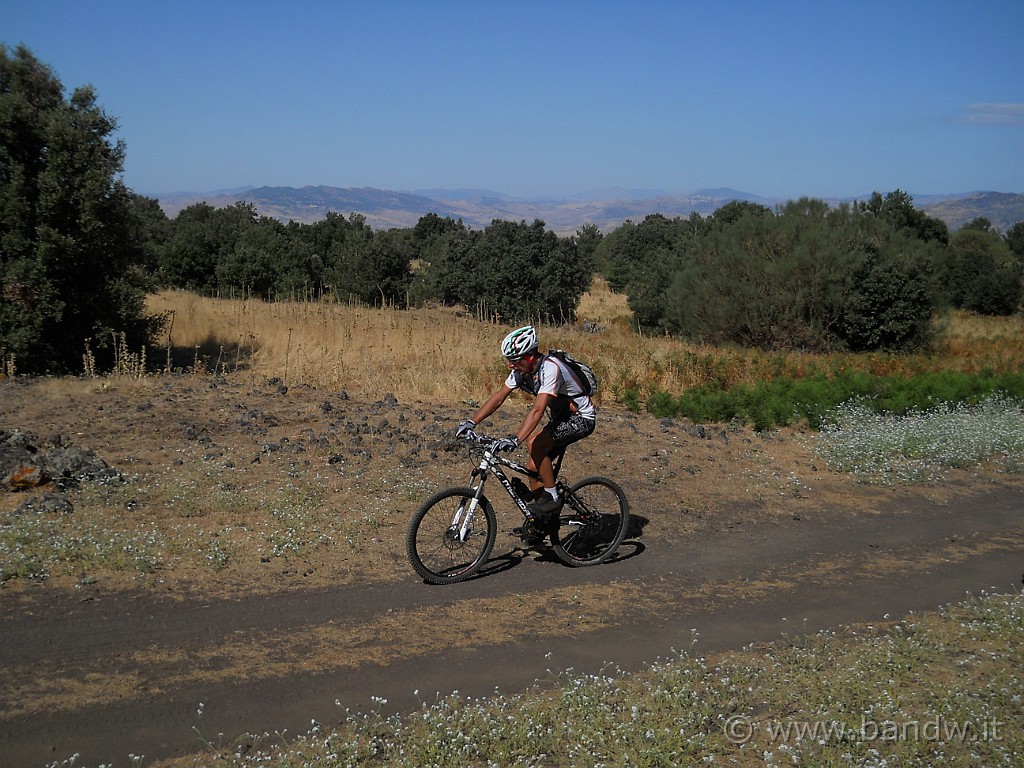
(628, 549)
(500, 564)
(630, 541)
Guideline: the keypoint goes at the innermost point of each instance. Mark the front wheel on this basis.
(592, 522)
(447, 540)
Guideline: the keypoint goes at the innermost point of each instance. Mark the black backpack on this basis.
(585, 375)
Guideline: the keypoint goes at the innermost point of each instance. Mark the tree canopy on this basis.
(68, 258)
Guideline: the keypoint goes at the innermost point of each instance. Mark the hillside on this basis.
(1001, 208)
(607, 209)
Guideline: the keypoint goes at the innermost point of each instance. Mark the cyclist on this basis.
(556, 389)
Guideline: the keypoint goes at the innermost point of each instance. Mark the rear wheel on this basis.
(445, 546)
(592, 522)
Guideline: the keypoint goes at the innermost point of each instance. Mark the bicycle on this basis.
(452, 533)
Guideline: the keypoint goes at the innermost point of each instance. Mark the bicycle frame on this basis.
(491, 463)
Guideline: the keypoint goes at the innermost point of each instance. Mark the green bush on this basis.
(785, 401)
(809, 278)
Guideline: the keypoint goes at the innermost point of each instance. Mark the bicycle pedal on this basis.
(529, 534)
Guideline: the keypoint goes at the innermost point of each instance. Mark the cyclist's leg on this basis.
(553, 439)
(541, 446)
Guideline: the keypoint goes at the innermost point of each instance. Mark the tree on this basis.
(511, 272)
(628, 256)
(204, 238)
(441, 247)
(67, 255)
(588, 237)
(809, 278)
(735, 210)
(1015, 240)
(151, 230)
(978, 224)
(368, 267)
(256, 264)
(897, 208)
(981, 273)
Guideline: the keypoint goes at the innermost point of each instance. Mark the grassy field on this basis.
(444, 354)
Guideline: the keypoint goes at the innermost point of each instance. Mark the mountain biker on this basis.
(556, 389)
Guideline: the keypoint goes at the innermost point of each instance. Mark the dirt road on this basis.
(128, 673)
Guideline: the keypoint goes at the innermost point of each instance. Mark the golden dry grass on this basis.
(444, 354)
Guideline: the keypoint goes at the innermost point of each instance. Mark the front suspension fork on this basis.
(463, 519)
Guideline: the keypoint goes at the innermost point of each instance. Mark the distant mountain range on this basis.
(606, 208)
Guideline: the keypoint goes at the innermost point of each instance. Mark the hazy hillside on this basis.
(607, 209)
(1001, 208)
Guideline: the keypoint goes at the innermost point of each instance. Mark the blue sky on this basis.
(549, 98)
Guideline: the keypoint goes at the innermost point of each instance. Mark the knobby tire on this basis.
(590, 532)
(434, 550)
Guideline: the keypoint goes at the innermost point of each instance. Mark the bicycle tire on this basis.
(592, 522)
(437, 555)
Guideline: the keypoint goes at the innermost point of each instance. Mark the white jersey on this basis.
(555, 378)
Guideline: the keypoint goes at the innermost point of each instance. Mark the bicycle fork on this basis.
(462, 521)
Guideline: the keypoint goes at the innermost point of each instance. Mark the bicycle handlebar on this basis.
(487, 443)
(482, 440)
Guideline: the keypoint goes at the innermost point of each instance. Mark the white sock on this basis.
(553, 492)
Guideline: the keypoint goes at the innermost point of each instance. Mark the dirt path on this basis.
(125, 673)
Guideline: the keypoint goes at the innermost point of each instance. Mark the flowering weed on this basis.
(920, 446)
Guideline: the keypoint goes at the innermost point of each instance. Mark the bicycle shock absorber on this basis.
(464, 517)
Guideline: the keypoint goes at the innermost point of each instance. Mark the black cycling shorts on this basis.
(568, 431)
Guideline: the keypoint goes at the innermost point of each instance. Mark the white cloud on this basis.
(995, 114)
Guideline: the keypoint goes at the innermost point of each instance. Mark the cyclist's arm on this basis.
(493, 403)
(534, 416)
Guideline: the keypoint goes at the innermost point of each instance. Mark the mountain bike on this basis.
(451, 535)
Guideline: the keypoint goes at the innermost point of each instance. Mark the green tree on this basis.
(897, 207)
(67, 256)
(150, 230)
(588, 237)
(257, 262)
(1015, 239)
(634, 258)
(367, 267)
(807, 278)
(441, 249)
(203, 239)
(616, 254)
(516, 272)
(735, 210)
(981, 274)
(978, 224)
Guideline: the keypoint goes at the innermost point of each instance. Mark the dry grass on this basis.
(443, 354)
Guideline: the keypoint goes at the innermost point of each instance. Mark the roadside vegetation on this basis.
(943, 688)
(445, 353)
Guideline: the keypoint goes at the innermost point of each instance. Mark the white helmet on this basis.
(519, 342)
